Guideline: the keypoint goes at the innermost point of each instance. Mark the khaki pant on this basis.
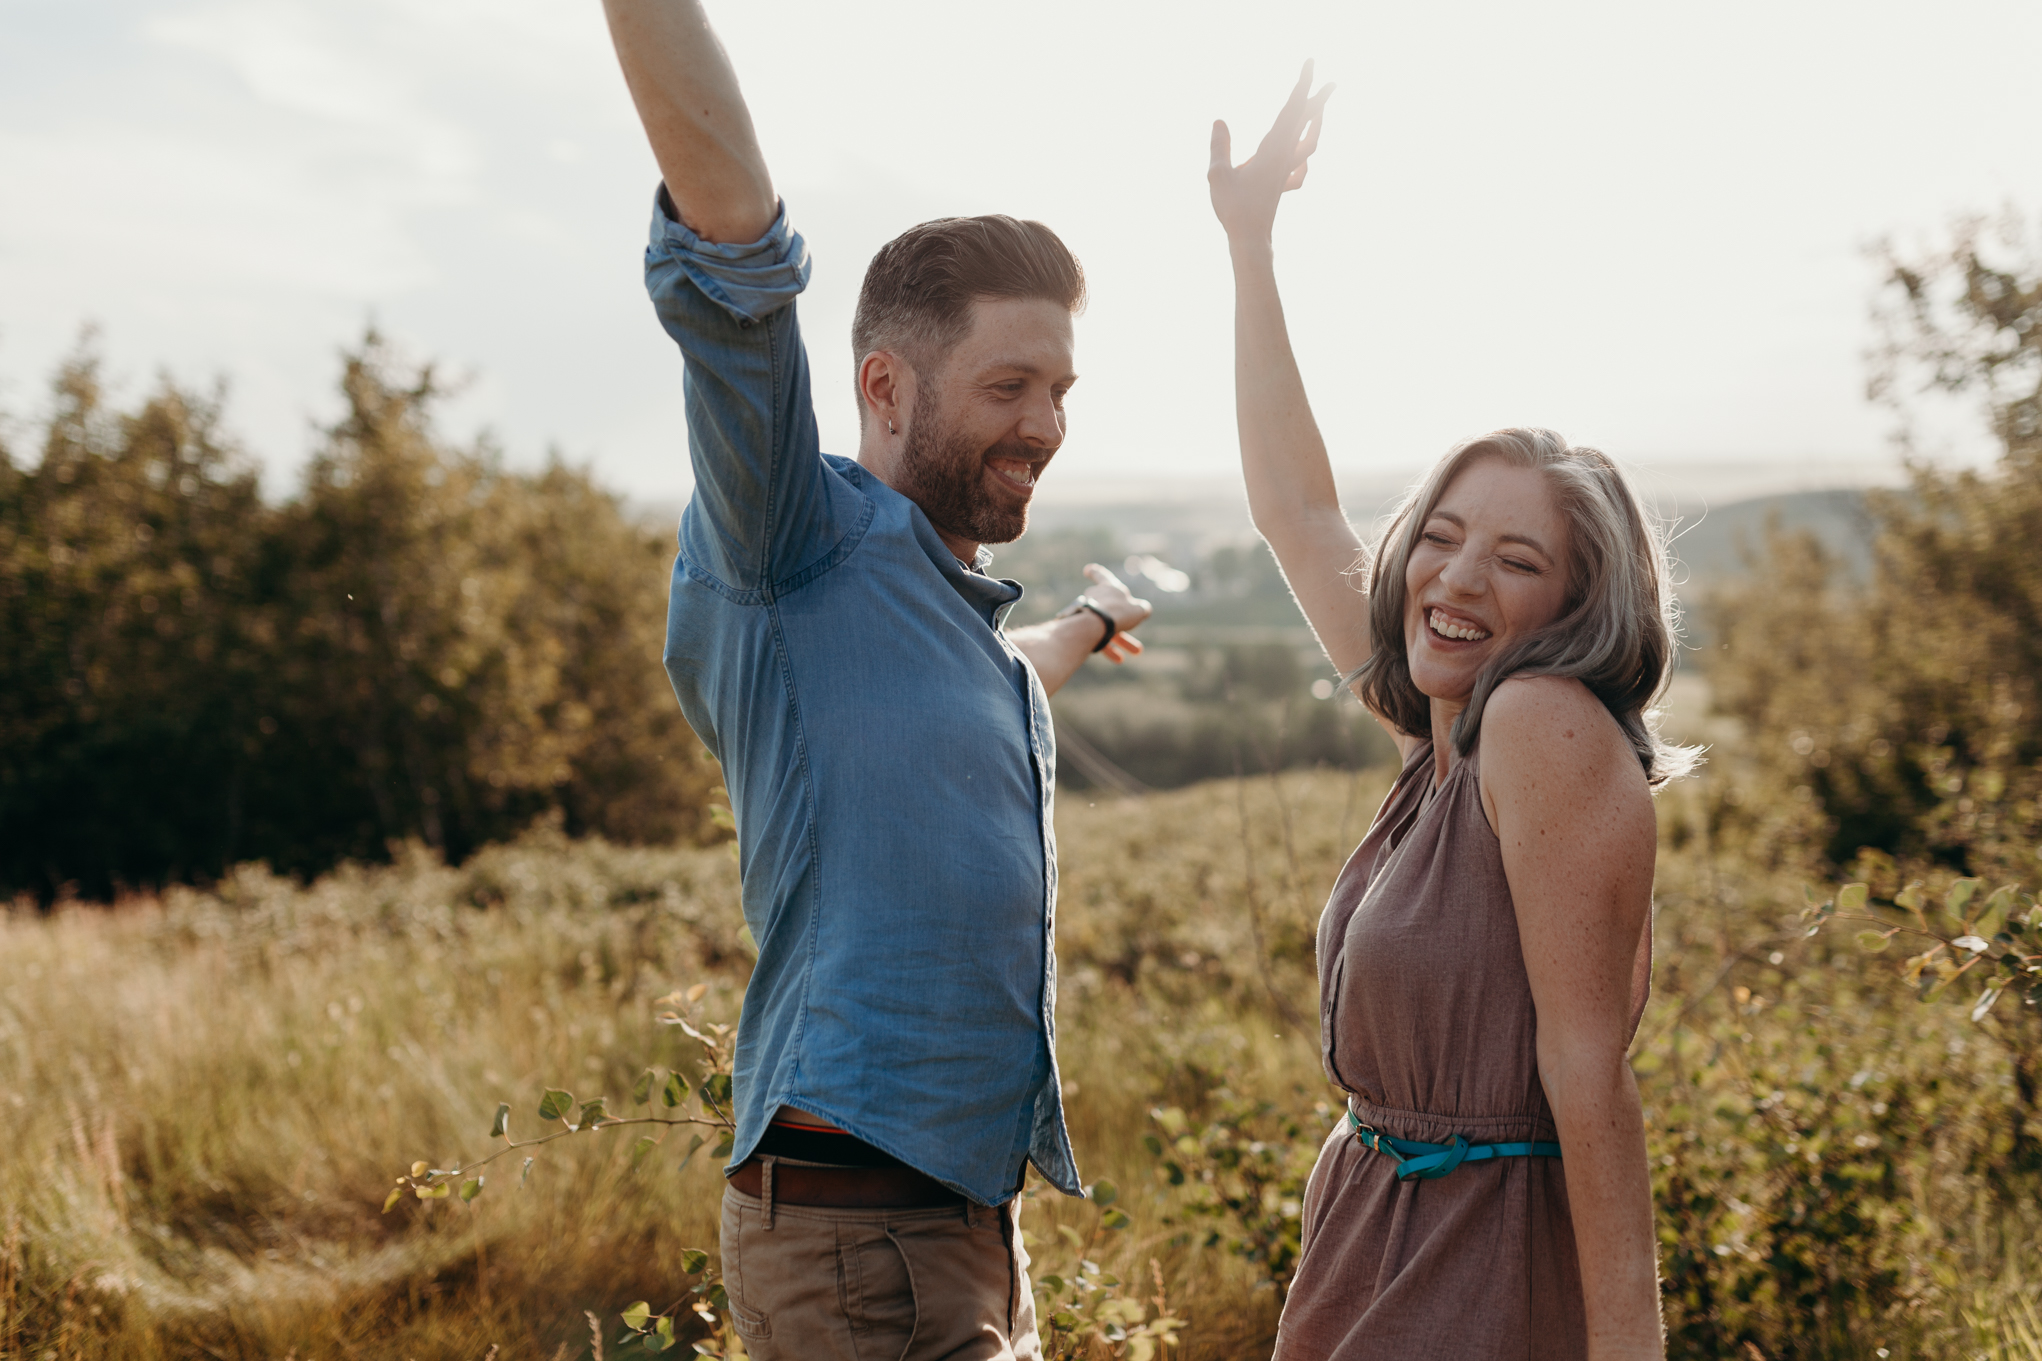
(818, 1284)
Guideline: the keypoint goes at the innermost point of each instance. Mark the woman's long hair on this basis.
(1616, 633)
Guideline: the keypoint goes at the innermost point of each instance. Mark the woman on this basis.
(1485, 954)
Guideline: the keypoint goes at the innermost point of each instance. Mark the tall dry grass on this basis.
(208, 1095)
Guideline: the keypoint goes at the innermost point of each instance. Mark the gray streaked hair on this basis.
(1617, 631)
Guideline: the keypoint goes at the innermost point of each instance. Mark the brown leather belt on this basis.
(846, 1188)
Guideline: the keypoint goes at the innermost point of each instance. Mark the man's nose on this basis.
(1042, 422)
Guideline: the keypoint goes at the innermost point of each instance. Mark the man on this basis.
(834, 639)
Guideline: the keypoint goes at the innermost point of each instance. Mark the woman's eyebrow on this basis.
(1528, 541)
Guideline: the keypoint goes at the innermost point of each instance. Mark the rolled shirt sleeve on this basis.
(764, 506)
(749, 281)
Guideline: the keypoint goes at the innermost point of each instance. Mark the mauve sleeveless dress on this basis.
(1426, 1020)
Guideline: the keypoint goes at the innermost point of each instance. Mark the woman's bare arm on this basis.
(1283, 458)
(695, 117)
(1574, 817)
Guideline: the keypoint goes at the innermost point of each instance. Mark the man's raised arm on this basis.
(695, 117)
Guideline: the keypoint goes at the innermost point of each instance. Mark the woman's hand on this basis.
(1244, 196)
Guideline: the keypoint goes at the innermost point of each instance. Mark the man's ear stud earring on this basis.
(889, 427)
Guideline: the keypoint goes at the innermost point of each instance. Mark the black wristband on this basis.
(1085, 602)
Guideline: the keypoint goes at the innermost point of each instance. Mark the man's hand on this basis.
(695, 117)
(1110, 594)
(1059, 647)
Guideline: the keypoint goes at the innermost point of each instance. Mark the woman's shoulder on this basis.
(1554, 724)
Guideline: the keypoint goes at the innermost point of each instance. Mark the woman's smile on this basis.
(1487, 568)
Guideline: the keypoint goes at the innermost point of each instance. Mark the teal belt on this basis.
(1417, 1161)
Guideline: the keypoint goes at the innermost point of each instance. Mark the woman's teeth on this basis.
(1446, 628)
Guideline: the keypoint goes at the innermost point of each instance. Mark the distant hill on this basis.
(1203, 531)
(1715, 544)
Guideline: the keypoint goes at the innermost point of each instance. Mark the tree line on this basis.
(1902, 715)
(421, 645)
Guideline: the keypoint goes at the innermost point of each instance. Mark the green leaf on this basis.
(1993, 916)
(1851, 897)
(1050, 1285)
(471, 1188)
(666, 1331)
(716, 1297)
(500, 1126)
(636, 1315)
(1115, 1219)
(716, 1090)
(555, 1104)
(1959, 898)
(396, 1194)
(641, 1090)
(695, 1141)
(591, 1112)
(1873, 941)
(724, 1145)
(1104, 1193)
(693, 1260)
(643, 1145)
(675, 1091)
(1153, 1145)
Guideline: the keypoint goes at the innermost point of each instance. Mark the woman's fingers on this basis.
(1290, 119)
(1222, 149)
(1310, 143)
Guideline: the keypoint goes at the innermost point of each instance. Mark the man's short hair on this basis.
(918, 291)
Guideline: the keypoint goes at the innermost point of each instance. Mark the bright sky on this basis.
(1642, 225)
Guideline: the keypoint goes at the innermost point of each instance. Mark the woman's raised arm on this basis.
(1290, 482)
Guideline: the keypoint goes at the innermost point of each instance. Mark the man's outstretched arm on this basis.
(695, 117)
(1056, 648)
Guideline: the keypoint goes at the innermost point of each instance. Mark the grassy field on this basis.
(208, 1095)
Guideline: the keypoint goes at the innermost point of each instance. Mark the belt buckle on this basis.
(1374, 1138)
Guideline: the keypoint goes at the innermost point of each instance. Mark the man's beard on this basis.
(944, 473)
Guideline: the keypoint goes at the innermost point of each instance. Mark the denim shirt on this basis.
(888, 752)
